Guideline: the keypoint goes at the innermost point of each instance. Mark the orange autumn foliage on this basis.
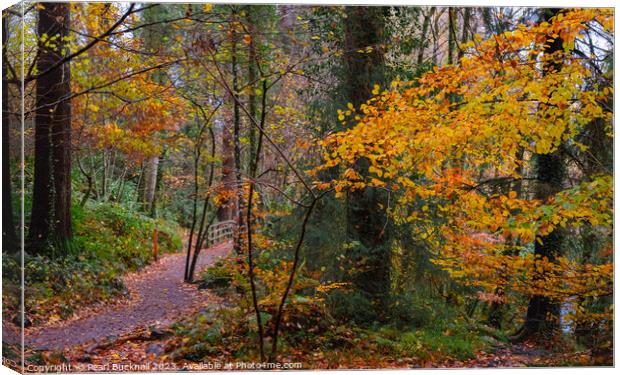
(438, 142)
(131, 114)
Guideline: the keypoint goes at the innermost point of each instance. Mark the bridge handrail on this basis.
(219, 232)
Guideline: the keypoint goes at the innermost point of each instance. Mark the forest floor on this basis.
(157, 297)
(139, 351)
(136, 333)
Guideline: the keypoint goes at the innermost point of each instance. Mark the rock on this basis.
(158, 333)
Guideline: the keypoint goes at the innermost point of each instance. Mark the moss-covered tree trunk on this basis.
(51, 200)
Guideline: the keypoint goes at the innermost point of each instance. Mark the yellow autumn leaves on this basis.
(442, 137)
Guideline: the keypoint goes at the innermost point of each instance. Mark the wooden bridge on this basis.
(221, 232)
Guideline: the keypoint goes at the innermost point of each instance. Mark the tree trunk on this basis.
(192, 228)
(89, 183)
(139, 184)
(465, 29)
(364, 28)
(423, 36)
(122, 182)
(451, 34)
(51, 200)
(252, 81)
(226, 209)
(159, 187)
(202, 230)
(487, 20)
(237, 142)
(435, 27)
(104, 174)
(542, 313)
(9, 236)
(365, 216)
(153, 37)
(150, 182)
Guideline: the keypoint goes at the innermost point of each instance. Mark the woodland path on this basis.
(158, 296)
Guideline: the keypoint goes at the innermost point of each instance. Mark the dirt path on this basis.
(158, 297)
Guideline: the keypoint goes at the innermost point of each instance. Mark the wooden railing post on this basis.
(155, 235)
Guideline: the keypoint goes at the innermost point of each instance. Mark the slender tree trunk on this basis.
(194, 212)
(252, 80)
(237, 142)
(435, 29)
(89, 182)
(200, 238)
(465, 30)
(139, 184)
(202, 231)
(122, 182)
(104, 174)
(110, 177)
(150, 182)
(249, 222)
(487, 20)
(451, 34)
(291, 279)
(226, 209)
(423, 36)
(158, 190)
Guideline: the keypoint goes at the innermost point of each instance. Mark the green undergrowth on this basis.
(436, 334)
(231, 333)
(109, 241)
